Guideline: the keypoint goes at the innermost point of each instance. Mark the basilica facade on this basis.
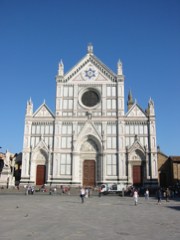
(92, 137)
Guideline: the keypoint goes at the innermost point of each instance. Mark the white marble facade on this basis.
(91, 138)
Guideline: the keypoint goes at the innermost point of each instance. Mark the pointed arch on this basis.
(91, 139)
(40, 153)
(136, 163)
(88, 154)
(40, 156)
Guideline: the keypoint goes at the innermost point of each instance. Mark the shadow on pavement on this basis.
(177, 208)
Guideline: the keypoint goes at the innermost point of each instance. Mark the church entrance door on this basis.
(40, 174)
(89, 173)
(137, 175)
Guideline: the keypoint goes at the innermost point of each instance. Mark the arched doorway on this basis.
(90, 162)
(138, 169)
(137, 175)
(40, 174)
(39, 166)
(89, 173)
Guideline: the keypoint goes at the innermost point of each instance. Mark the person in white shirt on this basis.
(135, 195)
(147, 194)
(82, 194)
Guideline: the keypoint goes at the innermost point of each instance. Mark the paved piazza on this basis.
(52, 217)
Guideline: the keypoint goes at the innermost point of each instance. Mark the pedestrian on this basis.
(82, 194)
(86, 192)
(135, 196)
(32, 190)
(89, 192)
(159, 196)
(100, 191)
(55, 190)
(26, 190)
(123, 192)
(167, 194)
(69, 190)
(50, 190)
(147, 194)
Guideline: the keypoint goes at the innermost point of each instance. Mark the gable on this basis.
(43, 111)
(135, 111)
(89, 70)
(136, 146)
(41, 145)
(88, 129)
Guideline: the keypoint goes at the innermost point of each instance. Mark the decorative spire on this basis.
(61, 69)
(30, 101)
(90, 48)
(29, 107)
(119, 68)
(151, 110)
(130, 100)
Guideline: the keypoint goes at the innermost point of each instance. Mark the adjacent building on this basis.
(164, 169)
(175, 169)
(90, 138)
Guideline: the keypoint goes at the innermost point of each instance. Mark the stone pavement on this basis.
(63, 217)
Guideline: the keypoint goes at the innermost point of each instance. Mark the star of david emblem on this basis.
(90, 73)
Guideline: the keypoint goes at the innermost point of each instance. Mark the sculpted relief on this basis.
(89, 146)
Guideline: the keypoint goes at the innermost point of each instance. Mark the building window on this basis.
(111, 143)
(67, 129)
(66, 142)
(111, 91)
(65, 165)
(111, 129)
(111, 167)
(33, 129)
(111, 104)
(67, 104)
(90, 98)
(38, 129)
(68, 91)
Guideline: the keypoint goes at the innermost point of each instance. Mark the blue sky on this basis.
(36, 34)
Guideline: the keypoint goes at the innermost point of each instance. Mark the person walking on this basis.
(87, 192)
(26, 190)
(123, 192)
(135, 196)
(159, 196)
(147, 194)
(167, 194)
(82, 194)
(100, 191)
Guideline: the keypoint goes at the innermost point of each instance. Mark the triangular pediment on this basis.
(89, 129)
(136, 145)
(90, 69)
(40, 152)
(135, 111)
(41, 145)
(136, 151)
(43, 111)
